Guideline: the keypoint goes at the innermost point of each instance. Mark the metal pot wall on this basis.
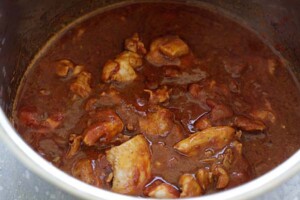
(26, 25)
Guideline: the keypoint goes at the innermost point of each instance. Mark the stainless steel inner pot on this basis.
(26, 25)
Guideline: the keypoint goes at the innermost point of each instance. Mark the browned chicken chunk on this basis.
(131, 162)
(263, 115)
(202, 123)
(214, 137)
(29, 116)
(219, 111)
(159, 122)
(75, 141)
(122, 68)
(134, 44)
(81, 86)
(247, 124)
(53, 121)
(83, 170)
(237, 146)
(167, 51)
(174, 47)
(128, 58)
(106, 127)
(204, 178)
(189, 186)
(96, 171)
(227, 158)
(77, 70)
(161, 190)
(63, 67)
(160, 95)
(223, 177)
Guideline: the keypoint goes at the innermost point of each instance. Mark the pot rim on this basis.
(50, 173)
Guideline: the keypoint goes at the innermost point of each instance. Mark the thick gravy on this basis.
(160, 100)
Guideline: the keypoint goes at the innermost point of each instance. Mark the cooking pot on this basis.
(26, 25)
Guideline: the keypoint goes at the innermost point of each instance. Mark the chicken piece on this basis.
(223, 177)
(122, 68)
(160, 95)
(131, 162)
(189, 186)
(93, 171)
(75, 142)
(63, 67)
(202, 123)
(29, 116)
(219, 111)
(159, 122)
(81, 86)
(214, 137)
(107, 126)
(128, 58)
(174, 47)
(204, 178)
(263, 115)
(129, 115)
(237, 146)
(111, 71)
(161, 190)
(53, 121)
(227, 158)
(247, 124)
(167, 51)
(83, 170)
(135, 45)
(77, 70)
